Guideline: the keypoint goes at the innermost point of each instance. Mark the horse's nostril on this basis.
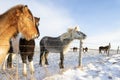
(36, 35)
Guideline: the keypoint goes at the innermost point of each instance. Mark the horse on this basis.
(104, 48)
(27, 52)
(26, 49)
(85, 49)
(75, 49)
(17, 19)
(58, 44)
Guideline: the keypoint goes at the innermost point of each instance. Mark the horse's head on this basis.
(77, 34)
(27, 23)
(37, 21)
(37, 24)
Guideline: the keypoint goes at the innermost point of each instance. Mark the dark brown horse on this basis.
(15, 20)
(75, 49)
(26, 49)
(104, 48)
(85, 49)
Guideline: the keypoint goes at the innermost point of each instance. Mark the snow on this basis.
(95, 66)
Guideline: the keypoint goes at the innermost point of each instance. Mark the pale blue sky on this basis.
(99, 19)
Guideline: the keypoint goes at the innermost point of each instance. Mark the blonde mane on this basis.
(68, 34)
(11, 10)
(11, 15)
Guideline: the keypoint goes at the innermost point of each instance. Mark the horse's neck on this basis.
(64, 36)
(66, 45)
(3, 23)
(4, 42)
(67, 41)
(6, 20)
(8, 33)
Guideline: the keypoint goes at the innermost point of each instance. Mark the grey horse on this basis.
(58, 44)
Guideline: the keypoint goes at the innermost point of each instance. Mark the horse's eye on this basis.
(30, 18)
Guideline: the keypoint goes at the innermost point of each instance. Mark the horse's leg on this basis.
(9, 61)
(61, 60)
(46, 56)
(3, 66)
(30, 59)
(23, 57)
(105, 51)
(41, 57)
(99, 50)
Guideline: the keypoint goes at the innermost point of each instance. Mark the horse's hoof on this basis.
(46, 64)
(61, 67)
(25, 74)
(43, 65)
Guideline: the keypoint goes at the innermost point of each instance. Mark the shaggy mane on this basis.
(12, 9)
(66, 35)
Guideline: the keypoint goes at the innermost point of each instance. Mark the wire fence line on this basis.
(89, 44)
(8, 75)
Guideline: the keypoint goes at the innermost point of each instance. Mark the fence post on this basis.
(118, 50)
(109, 49)
(80, 54)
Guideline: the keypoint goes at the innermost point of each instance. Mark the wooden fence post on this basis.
(118, 50)
(109, 49)
(80, 54)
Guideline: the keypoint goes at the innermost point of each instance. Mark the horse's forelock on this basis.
(20, 6)
(70, 30)
(77, 28)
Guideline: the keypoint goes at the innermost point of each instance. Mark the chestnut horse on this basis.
(26, 49)
(59, 44)
(18, 19)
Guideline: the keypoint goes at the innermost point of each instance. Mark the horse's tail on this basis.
(42, 47)
(42, 51)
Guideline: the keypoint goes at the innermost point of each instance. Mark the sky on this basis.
(98, 19)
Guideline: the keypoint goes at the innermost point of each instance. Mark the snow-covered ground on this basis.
(95, 67)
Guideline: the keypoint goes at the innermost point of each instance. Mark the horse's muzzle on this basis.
(36, 36)
(85, 36)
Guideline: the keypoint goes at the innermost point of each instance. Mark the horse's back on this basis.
(26, 46)
(52, 44)
(49, 40)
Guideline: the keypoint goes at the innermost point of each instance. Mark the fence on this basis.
(13, 74)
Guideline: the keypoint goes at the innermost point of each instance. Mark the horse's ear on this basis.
(70, 30)
(25, 8)
(77, 28)
(37, 19)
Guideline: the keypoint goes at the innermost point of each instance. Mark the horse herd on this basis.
(20, 20)
(104, 49)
